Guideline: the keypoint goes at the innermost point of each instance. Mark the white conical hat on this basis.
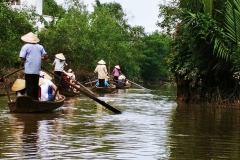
(60, 56)
(47, 76)
(18, 85)
(117, 66)
(41, 82)
(30, 38)
(101, 62)
(121, 77)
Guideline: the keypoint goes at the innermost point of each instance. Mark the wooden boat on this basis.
(124, 87)
(68, 93)
(108, 89)
(25, 104)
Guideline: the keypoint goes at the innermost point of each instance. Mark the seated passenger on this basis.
(122, 80)
(19, 87)
(72, 80)
(47, 89)
(64, 82)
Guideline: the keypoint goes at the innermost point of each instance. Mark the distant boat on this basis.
(123, 87)
(25, 104)
(108, 89)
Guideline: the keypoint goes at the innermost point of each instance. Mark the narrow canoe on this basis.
(108, 89)
(68, 93)
(25, 104)
(124, 87)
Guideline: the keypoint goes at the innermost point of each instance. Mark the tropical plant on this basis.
(13, 24)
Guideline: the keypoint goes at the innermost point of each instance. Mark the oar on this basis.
(91, 96)
(91, 82)
(85, 87)
(137, 84)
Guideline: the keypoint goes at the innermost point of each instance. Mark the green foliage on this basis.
(155, 51)
(13, 25)
(51, 8)
(85, 38)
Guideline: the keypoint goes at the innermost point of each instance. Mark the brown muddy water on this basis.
(151, 127)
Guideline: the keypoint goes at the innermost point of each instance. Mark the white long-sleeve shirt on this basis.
(59, 64)
(101, 70)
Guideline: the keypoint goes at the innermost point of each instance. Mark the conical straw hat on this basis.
(46, 76)
(18, 85)
(41, 82)
(117, 66)
(60, 56)
(30, 38)
(101, 62)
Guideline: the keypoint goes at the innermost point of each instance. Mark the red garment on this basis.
(39, 92)
(64, 84)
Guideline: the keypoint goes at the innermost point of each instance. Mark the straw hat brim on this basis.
(117, 66)
(41, 82)
(18, 85)
(60, 56)
(101, 62)
(30, 38)
(46, 76)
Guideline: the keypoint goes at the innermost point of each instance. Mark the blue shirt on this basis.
(33, 54)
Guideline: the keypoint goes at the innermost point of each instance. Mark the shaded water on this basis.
(152, 126)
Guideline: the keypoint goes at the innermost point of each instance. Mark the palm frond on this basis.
(221, 49)
(232, 18)
(232, 27)
(208, 7)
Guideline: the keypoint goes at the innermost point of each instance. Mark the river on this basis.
(151, 127)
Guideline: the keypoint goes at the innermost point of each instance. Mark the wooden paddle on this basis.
(93, 97)
(136, 84)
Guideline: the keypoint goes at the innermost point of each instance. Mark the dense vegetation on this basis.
(205, 52)
(87, 37)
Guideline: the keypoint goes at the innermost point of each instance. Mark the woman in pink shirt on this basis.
(116, 73)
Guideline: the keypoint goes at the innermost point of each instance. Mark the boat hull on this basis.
(25, 104)
(68, 93)
(124, 87)
(104, 89)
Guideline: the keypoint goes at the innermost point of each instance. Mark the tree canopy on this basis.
(204, 56)
(86, 37)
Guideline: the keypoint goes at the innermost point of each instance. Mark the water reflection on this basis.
(201, 132)
(30, 130)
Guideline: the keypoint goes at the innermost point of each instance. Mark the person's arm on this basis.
(105, 70)
(45, 57)
(23, 52)
(55, 88)
(120, 72)
(54, 62)
(96, 70)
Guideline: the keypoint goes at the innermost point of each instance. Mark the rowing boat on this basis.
(108, 89)
(123, 87)
(68, 93)
(25, 104)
